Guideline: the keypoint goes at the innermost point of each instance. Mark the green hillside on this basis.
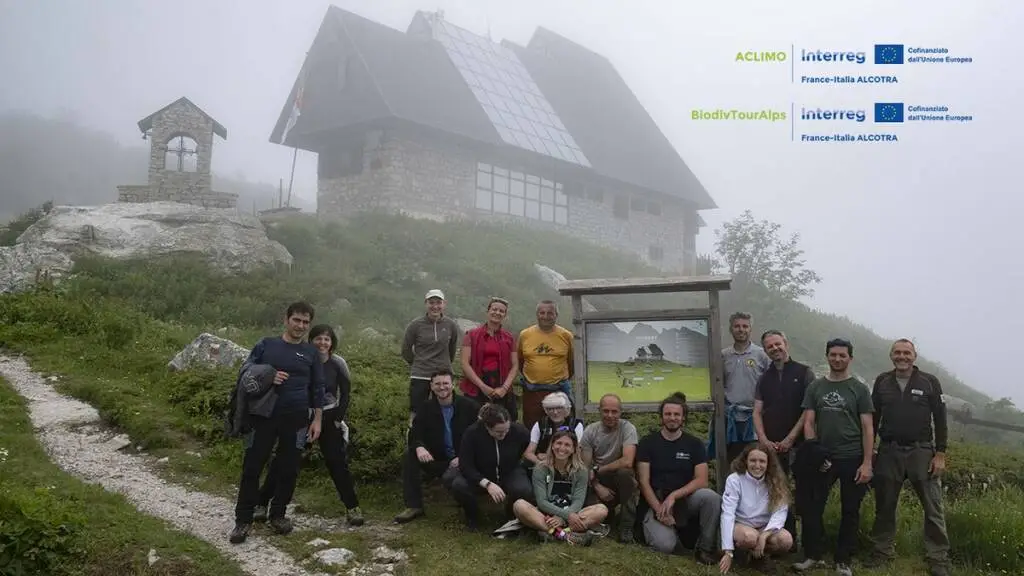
(110, 330)
(373, 272)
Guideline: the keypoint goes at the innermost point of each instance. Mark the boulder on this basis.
(552, 278)
(208, 351)
(465, 324)
(231, 241)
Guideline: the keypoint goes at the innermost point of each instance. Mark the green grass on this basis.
(110, 332)
(107, 533)
(606, 378)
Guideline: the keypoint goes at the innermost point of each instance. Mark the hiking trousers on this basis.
(895, 464)
(288, 432)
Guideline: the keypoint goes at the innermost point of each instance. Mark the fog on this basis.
(917, 238)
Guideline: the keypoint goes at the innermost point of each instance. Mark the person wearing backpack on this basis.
(298, 386)
(557, 409)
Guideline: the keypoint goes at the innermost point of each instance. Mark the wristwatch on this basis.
(728, 553)
(595, 468)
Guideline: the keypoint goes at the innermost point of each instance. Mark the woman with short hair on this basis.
(560, 489)
(557, 410)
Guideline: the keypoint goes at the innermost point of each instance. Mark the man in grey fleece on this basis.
(429, 346)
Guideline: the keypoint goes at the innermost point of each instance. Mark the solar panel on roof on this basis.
(515, 105)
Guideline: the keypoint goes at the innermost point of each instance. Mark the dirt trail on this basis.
(78, 442)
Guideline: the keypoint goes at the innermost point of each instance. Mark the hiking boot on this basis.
(626, 536)
(354, 517)
(843, 570)
(281, 525)
(580, 538)
(259, 514)
(408, 515)
(601, 530)
(809, 564)
(241, 532)
(704, 557)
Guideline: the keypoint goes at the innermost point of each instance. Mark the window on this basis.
(621, 207)
(656, 253)
(503, 191)
(182, 154)
(689, 241)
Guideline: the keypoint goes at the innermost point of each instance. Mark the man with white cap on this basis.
(429, 346)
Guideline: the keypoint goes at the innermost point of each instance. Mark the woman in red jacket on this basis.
(489, 363)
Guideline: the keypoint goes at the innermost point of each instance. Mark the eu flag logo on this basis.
(888, 53)
(888, 112)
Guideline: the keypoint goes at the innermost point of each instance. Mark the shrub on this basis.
(38, 532)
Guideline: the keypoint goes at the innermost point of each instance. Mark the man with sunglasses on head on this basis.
(778, 401)
(837, 421)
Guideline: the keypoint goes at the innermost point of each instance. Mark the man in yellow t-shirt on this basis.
(545, 361)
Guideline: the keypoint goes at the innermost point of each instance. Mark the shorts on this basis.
(419, 392)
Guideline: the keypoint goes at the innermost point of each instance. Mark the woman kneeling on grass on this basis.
(754, 508)
(560, 487)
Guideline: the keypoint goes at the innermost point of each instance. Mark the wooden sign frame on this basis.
(712, 285)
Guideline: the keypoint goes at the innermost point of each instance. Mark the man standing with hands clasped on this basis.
(907, 401)
(838, 421)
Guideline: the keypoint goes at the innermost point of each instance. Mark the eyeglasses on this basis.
(768, 333)
(562, 428)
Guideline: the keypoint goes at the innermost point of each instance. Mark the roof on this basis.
(612, 127)
(359, 71)
(147, 123)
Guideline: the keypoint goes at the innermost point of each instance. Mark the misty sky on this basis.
(917, 239)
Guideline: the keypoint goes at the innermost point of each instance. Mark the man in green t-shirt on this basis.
(837, 420)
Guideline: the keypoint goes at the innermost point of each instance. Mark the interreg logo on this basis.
(833, 115)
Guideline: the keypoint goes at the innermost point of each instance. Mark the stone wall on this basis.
(400, 174)
(408, 175)
(180, 119)
(209, 199)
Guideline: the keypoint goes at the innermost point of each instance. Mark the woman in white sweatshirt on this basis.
(754, 507)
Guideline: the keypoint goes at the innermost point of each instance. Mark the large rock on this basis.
(552, 278)
(208, 351)
(230, 240)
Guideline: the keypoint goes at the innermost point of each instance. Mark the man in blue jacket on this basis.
(299, 386)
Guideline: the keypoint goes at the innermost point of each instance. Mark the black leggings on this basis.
(334, 450)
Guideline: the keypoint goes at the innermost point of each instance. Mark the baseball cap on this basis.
(435, 293)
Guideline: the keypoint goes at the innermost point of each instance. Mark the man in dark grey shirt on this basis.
(744, 363)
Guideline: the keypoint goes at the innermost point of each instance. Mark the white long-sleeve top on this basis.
(745, 500)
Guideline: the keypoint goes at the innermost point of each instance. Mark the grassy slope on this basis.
(116, 538)
(114, 357)
(382, 265)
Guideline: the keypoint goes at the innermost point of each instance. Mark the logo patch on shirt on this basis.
(682, 455)
(751, 363)
(917, 392)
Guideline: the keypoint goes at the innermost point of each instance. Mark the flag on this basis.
(888, 53)
(888, 112)
(296, 105)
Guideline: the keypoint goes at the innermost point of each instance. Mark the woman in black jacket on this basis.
(333, 441)
(490, 461)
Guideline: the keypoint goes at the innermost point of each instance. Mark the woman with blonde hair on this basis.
(755, 504)
(560, 488)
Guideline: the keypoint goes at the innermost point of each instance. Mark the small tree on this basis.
(753, 251)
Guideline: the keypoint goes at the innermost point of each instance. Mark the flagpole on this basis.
(291, 179)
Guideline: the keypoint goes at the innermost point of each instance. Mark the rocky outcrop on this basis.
(553, 278)
(208, 351)
(231, 241)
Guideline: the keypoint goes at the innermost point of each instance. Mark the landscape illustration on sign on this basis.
(646, 361)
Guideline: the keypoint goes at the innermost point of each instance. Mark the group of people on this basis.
(571, 482)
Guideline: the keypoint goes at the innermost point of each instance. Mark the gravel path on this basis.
(73, 435)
